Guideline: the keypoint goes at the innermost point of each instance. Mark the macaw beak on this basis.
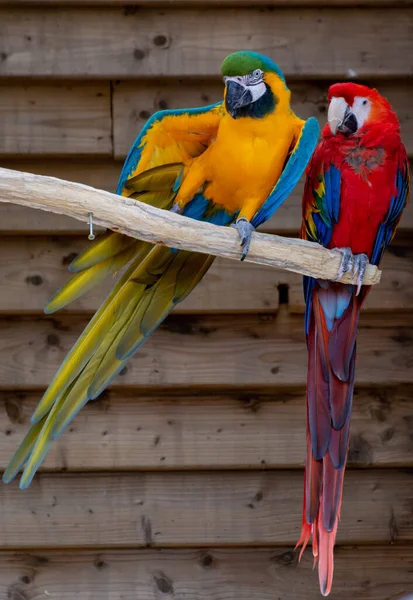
(341, 118)
(237, 96)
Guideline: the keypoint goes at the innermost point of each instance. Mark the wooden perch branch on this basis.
(144, 222)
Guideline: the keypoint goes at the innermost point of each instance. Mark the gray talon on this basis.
(175, 209)
(359, 268)
(245, 229)
(356, 263)
(346, 262)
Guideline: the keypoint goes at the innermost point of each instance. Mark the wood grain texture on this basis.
(104, 174)
(134, 102)
(395, 291)
(196, 509)
(32, 269)
(172, 42)
(145, 222)
(217, 352)
(242, 431)
(55, 119)
(365, 573)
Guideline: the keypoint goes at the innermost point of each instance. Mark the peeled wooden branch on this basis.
(144, 222)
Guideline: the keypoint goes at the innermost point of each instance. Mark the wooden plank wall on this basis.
(185, 479)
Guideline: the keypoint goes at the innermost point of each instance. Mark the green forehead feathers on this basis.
(241, 63)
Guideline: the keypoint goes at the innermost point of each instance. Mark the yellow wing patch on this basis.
(177, 139)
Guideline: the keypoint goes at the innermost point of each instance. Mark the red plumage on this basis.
(356, 189)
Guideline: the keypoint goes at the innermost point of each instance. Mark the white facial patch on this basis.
(254, 82)
(361, 110)
(257, 90)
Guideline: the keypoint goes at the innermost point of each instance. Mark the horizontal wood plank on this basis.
(224, 352)
(365, 573)
(104, 175)
(172, 42)
(134, 102)
(196, 509)
(55, 119)
(32, 269)
(394, 292)
(125, 431)
(75, 119)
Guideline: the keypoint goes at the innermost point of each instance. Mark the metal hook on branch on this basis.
(91, 235)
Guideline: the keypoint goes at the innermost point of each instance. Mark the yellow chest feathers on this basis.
(247, 158)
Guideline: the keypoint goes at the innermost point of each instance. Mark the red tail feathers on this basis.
(331, 343)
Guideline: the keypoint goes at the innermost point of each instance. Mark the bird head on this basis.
(254, 85)
(354, 109)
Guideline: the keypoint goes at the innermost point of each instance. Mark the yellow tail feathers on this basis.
(154, 280)
(85, 280)
(104, 247)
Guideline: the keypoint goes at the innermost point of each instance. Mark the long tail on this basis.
(332, 321)
(155, 280)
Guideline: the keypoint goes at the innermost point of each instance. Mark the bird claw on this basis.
(346, 262)
(359, 269)
(245, 229)
(354, 263)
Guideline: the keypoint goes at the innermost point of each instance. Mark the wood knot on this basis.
(14, 410)
(100, 564)
(144, 115)
(66, 260)
(206, 561)
(163, 583)
(53, 339)
(286, 558)
(162, 41)
(139, 54)
(34, 280)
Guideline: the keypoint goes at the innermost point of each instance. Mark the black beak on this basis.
(236, 97)
(349, 124)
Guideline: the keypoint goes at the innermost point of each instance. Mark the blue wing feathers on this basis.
(325, 216)
(397, 204)
(292, 172)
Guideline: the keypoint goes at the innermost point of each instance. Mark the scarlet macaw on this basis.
(231, 163)
(356, 188)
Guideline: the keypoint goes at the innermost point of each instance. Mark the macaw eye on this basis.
(257, 73)
(364, 102)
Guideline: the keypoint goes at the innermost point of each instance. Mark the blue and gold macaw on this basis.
(233, 163)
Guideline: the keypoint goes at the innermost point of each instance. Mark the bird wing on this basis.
(170, 137)
(321, 209)
(155, 280)
(387, 228)
(304, 145)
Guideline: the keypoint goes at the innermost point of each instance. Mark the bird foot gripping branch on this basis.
(356, 264)
(245, 229)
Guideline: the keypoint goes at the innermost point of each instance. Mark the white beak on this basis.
(336, 113)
